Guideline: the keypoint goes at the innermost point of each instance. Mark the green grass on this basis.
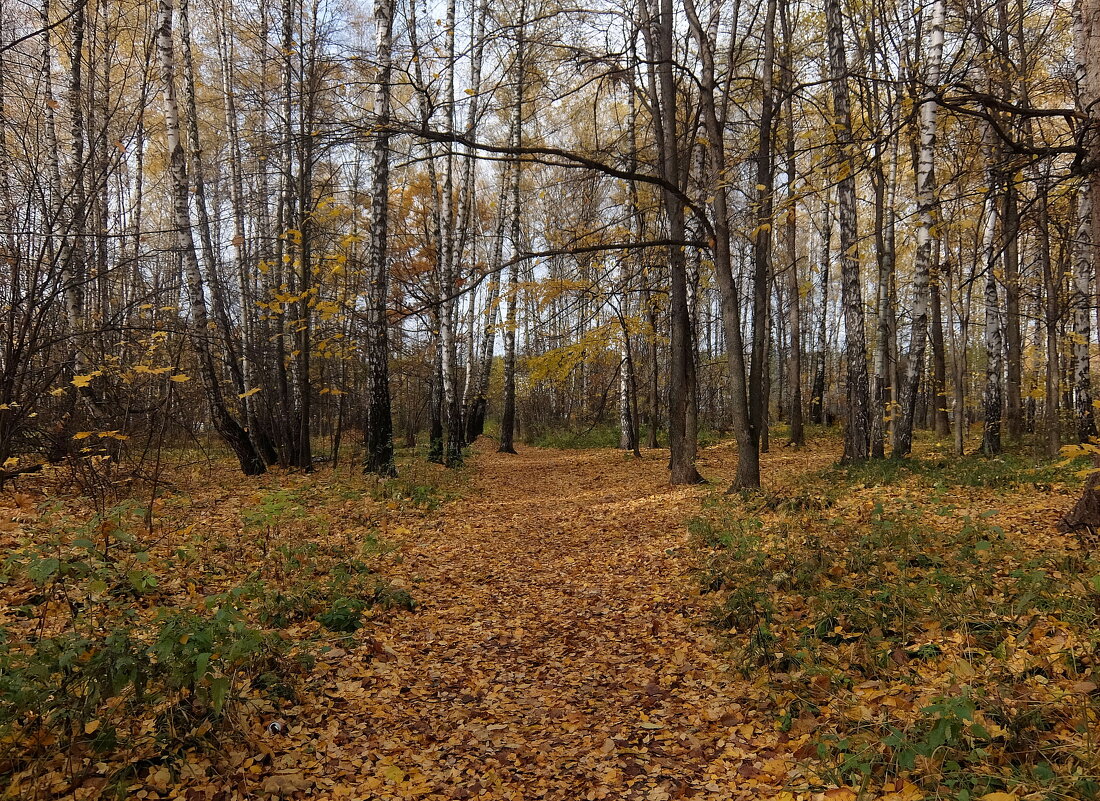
(597, 437)
(913, 581)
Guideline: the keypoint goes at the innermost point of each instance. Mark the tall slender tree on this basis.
(379, 422)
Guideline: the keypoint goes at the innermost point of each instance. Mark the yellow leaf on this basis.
(58, 391)
(906, 792)
(83, 380)
(179, 378)
(250, 393)
(83, 434)
(91, 727)
(393, 773)
(998, 797)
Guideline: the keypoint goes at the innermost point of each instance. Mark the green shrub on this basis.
(345, 615)
(927, 601)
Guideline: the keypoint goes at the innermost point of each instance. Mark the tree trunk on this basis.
(926, 207)
(653, 394)
(508, 415)
(794, 366)
(198, 190)
(759, 380)
(476, 425)
(681, 446)
(942, 425)
(452, 403)
(379, 421)
(858, 429)
(817, 391)
(748, 443)
(260, 440)
(230, 430)
(1081, 297)
(1052, 313)
(994, 337)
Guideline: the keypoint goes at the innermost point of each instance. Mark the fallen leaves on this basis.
(558, 651)
(555, 654)
(945, 643)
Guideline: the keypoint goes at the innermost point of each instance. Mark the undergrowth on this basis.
(928, 632)
(136, 644)
(600, 436)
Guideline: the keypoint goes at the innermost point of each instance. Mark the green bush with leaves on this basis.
(98, 652)
(848, 596)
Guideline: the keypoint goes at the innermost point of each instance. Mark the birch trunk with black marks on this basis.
(941, 423)
(817, 390)
(452, 401)
(508, 415)
(471, 401)
(379, 421)
(1052, 435)
(857, 431)
(922, 263)
(994, 336)
(1081, 297)
(248, 385)
(475, 423)
(201, 207)
(794, 285)
(224, 423)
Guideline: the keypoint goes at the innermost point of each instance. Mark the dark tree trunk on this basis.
(379, 421)
(857, 431)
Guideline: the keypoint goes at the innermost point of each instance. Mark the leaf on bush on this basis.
(219, 688)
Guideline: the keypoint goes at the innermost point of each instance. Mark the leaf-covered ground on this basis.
(885, 632)
(923, 618)
(555, 654)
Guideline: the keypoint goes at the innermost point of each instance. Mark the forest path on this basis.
(552, 655)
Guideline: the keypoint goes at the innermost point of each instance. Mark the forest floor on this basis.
(582, 630)
(558, 651)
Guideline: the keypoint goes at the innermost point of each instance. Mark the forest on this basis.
(647, 399)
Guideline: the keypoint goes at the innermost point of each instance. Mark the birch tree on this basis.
(857, 444)
(379, 422)
(224, 422)
(926, 208)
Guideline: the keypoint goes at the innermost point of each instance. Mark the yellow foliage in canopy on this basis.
(558, 363)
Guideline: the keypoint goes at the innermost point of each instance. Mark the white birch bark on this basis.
(994, 335)
(379, 433)
(926, 208)
(230, 430)
(1081, 296)
(857, 432)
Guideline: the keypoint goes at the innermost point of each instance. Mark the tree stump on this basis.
(1084, 518)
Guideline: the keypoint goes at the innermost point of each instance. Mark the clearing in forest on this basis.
(582, 630)
(555, 654)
